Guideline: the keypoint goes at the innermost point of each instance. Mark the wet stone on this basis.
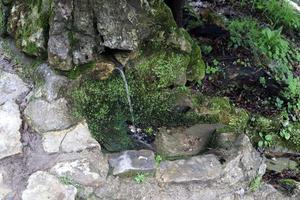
(132, 162)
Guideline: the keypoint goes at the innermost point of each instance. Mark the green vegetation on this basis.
(279, 13)
(158, 159)
(139, 178)
(279, 56)
(255, 184)
(2, 19)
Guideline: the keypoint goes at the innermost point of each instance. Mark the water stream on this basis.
(128, 94)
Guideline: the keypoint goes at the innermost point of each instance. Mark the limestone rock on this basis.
(198, 168)
(4, 189)
(132, 162)
(74, 139)
(79, 171)
(52, 85)
(10, 123)
(28, 24)
(44, 186)
(184, 141)
(11, 87)
(44, 116)
(242, 162)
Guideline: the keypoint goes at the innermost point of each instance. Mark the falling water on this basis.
(128, 94)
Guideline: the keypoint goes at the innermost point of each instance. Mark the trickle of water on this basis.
(128, 94)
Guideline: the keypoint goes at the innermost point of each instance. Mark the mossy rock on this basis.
(29, 24)
(220, 110)
(2, 19)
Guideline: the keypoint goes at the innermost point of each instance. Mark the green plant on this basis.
(265, 140)
(139, 178)
(278, 12)
(158, 159)
(255, 184)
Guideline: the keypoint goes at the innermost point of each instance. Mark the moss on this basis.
(104, 103)
(196, 68)
(219, 110)
(32, 34)
(2, 19)
(163, 14)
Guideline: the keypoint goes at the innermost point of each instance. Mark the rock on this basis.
(44, 186)
(28, 24)
(44, 116)
(79, 171)
(10, 124)
(280, 164)
(52, 83)
(226, 140)
(11, 87)
(198, 168)
(4, 189)
(132, 162)
(96, 28)
(242, 162)
(103, 70)
(184, 141)
(74, 139)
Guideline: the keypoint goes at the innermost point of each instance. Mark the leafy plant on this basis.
(265, 140)
(139, 178)
(158, 159)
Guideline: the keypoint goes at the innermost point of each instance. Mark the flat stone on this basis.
(183, 141)
(132, 162)
(79, 171)
(74, 139)
(44, 116)
(198, 168)
(11, 87)
(280, 164)
(44, 186)
(10, 123)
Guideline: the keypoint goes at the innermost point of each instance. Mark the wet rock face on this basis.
(132, 162)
